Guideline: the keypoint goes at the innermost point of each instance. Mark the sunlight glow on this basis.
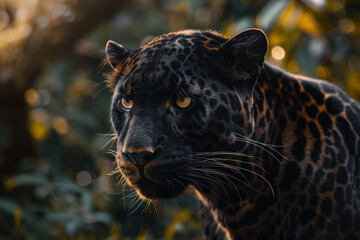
(278, 53)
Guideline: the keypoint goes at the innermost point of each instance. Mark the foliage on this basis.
(54, 125)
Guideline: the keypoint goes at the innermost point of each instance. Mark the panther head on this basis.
(177, 97)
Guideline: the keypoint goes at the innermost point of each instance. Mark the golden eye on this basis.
(183, 103)
(126, 103)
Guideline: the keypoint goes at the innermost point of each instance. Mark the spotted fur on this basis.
(271, 155)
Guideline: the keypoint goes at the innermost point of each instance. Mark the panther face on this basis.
(170, 105)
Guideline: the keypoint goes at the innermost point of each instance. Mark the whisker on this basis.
(190, 180)
(179, 182)
(252, 140)
(235, 160)
(90, 88)
(234, 169)
(137, 206)
(211, 179)
(230, 183)
(197, 183)
(155, 208)
(148, 202)
(130, 195)
(92, 100)
(257, 174)
(263, 148)
(239, 169)
(249, 140)
(105, 134)
(111, 141)
(112, 153)
(228, 153)
(185, 197)
(134, 201)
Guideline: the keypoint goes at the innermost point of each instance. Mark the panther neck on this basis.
(264, 148)
(269, 105)
(258, 186)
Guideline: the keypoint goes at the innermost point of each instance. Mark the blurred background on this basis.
(55, 135)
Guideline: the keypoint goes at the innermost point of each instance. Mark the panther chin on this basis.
(153, 181)
(152, 190)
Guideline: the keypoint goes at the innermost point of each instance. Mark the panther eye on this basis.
(127, 103)
(184, 102)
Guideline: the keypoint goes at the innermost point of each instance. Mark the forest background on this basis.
(55, 135)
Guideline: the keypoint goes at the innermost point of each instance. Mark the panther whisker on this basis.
(134, 201)
(122, 181)
(179, 182)
(146, 206)
(210, 154)
(224, 175)
(105, 134)
(186, 198)
(236, 160)
(141, 202)
(209, 178)
(258, 144)
(113, 172)
(109, 142)
(263, 148)
(266, 144)
(263, 144)
(229, 167)
(152, 202)
(112, 152)
(190, 180)
(248, 170)
(201, 177)
(229, 153)
(175, 202)
(239, 169)
(130, 195)
(172, 184)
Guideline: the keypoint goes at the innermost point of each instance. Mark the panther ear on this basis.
(116, 54)
(246, 51)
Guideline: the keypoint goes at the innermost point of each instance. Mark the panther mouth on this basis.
(152, 190)
(154, 181)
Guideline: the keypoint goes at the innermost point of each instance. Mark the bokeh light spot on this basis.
(38, 131)
(203, 15)
(32, 97)
(278, 53)
(60, 125)
(346, 26)
(83, 178)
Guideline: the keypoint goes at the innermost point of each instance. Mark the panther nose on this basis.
(140, 156)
